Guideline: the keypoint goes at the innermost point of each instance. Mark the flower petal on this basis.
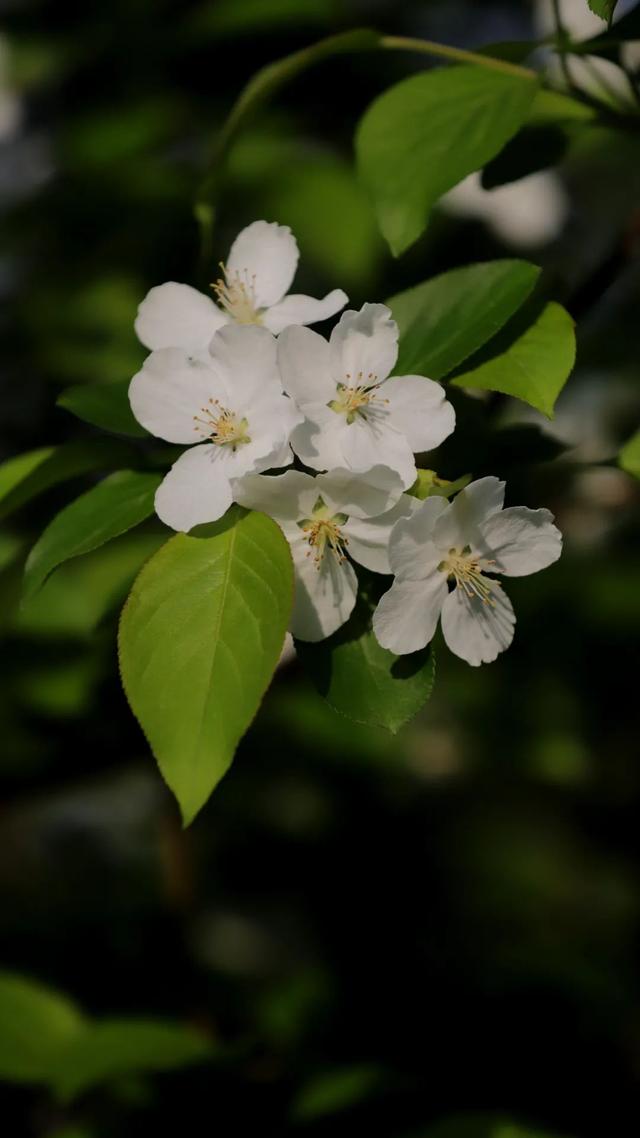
(196, 489)
(297, 309)
(266, 253)
(460, 524)
(366, 443)
(303, 359)
(412, 554)
(282, 496)
(419, 410)
(246, 356)
(522, 541)
(317, 441)
(324, 596)
(270, 418)
(177, 316)
(475, 630)
(170, 389)
(360, 495)
(364, 344)
(368, 538)
(406, 618)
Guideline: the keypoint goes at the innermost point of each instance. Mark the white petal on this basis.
(282, 496)
(360, 494)
(317, 441)
(522, 541)
(366, 443)
(477, 631)
(460, 524)
(368, 538)
(177, 316)
(364, 343)
(298, 309)
(270, 417)
(196, 489)
(267, 254)
(412, 554)
(303, 359)
(406, 618)
(418, 409)
(170, 389)
(324, 597)
(246, 355)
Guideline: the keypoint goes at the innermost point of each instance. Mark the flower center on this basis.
(221, 426)
(463, 568)
(357, 398)
(324, 533)
(236, 294)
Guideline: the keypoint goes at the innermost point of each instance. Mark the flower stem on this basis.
(455, 54)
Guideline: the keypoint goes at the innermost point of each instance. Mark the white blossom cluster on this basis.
(254, 390)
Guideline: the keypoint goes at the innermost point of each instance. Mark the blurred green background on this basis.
(427, 936)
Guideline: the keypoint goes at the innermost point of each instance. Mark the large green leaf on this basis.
(200, 637)
(111, 1048)
(27, 475)
(603, 8)
(535, 366)
(364, 681)
(446, 319)
(121, 501)
(103, 405)
(35, 1025)
(629, 457)
(424, 135)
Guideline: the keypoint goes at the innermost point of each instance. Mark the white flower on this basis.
(229, 401)
(256, 276)
(325, 519)
(356, 417)
(458, 544)
(531, 211)
(596, 76)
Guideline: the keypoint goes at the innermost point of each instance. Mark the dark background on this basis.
(433, 934)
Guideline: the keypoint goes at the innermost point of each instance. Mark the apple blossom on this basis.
(444, 557)
(257, 274)
(329, 520)
(355, 416)
(230, 398)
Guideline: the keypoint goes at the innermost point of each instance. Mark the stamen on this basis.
(236, 294)
(463, 568)
(359, 399)
(221, 426)
(325, 534)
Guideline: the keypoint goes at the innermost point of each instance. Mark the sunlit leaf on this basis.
(104, 405)
(428, 485)
(116, 505)
(200, 638)
(423, 136)
(35, 1024)
(446, 319)
(535, 367)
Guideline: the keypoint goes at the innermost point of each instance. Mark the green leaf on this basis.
(35, 1024)
(429, 485)
(104, 405)
(629, 457)
(334, 1091)
(112, 1048)
(603, 8)
(446, 319)
(200, 637)
(27, 475)
(116, 505)
(534, 148)
(423, 136)
(535, 366)
(364, 681)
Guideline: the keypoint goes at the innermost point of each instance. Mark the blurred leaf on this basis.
(62, 689)
(552, 107)
(333, 1091)
(200, 638)
(74, 601)
(120, 502)
(446, 319)
(234, 17)
(603, 8)
(103, 405)
(111, 1048)
(534, 148)
(71, 1132)
(428, 484)
(423, 136)
(27, 475)
(629, 457)
(35, 1024)
(482, 1126)
(535, 367)
(364, 681)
